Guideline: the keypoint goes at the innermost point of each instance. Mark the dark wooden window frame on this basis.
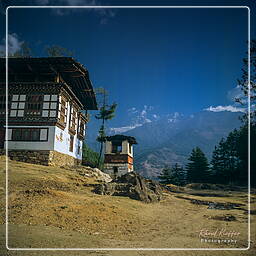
(63, 111)
(80, 126)
(73, 118)
(34, 103)
(71, 143)
(116, 147)
(21, 137)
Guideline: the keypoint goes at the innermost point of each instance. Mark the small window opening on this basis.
(116, 147)
(115, 169)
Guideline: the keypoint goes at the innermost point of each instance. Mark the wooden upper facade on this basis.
(41, 89)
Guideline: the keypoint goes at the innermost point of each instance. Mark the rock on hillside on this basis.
(132, 185)
(91, 173)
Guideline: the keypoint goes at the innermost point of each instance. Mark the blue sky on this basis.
(174, 60)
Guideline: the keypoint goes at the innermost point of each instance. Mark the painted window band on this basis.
(29, 134)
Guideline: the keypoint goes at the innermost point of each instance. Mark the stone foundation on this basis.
(122, 168)
(59, 159)
(43, 157)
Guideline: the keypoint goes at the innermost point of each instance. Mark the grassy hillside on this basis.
(56, 207)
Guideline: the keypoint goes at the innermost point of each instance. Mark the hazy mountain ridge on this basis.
(162, 143)
(169, 139)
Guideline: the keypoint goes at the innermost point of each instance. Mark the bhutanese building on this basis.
(48, 100)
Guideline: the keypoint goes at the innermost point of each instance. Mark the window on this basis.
(34, 105)
(26, 134)
(116, 146)
(81, 122)
(115, 170)
(73, 118)
(29, 134)
(63, 110)
(17, 105)
(71, 143)
(50, 106)
(81, 127)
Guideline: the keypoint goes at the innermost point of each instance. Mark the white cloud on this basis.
(103, 13)
(132, 110)
(225, 108)
(137, 117)
(124, 128)
(14, 44)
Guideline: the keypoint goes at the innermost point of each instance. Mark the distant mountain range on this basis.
(171, 138)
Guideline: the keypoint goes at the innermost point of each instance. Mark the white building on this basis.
(118, 158)
(47, 109)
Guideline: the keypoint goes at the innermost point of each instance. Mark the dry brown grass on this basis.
(55, 207)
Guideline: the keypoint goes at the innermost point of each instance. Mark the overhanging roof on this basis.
(120, 137)
(73, 73)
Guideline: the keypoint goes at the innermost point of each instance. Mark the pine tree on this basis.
(219, 163)
(247, 86)
(106, 112)
(164, 176)
(233, 161)
(198, 167)
(230, 158)
(242, 153)
(177, 175)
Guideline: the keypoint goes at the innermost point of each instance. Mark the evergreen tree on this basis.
(218, 163)
(175, 175)
(233, 160)
(247, 86)
(165, 176)
(198, 167)
(106, 112)
(230, 157)
(90, 157)
(225, 161)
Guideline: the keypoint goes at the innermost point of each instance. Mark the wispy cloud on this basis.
(14, 44)
(137, 117)
(225, 108)
(104, 14)
(124, 128)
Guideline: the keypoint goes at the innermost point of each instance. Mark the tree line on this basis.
(228, 165)
(229, 161)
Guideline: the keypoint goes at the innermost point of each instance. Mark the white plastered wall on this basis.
(125, 148)
(62, 140)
